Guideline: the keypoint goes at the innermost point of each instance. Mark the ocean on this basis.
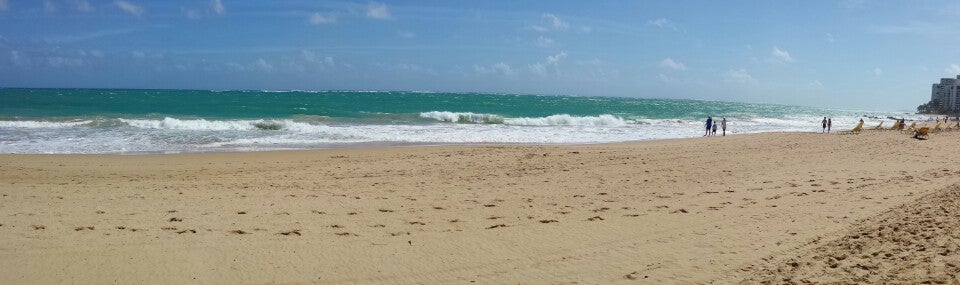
(119, 121)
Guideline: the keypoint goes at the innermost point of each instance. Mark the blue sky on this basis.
(880, 55)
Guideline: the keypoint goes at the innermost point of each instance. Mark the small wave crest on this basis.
(469, 118)
(554, 120)
(568, 120)
(40, 124)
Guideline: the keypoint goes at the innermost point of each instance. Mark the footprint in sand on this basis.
(293, 232)
(240, 232)
(497, 226)
(595, 218)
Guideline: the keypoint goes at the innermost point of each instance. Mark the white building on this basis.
(945, 94)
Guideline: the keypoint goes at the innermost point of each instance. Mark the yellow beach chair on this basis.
(878, 127)
(855, 130)
(936, 128)
(896, 124)
(910, 129)
(923, 133)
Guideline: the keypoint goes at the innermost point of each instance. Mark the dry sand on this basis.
(763, 207)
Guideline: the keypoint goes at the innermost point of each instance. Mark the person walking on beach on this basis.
(709, 123)
(723, 124)
(824, 123)
(829, 124)
(714, 132)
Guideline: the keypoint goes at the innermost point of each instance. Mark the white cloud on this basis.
(310, 56)
(318, 18)
(56, 61)
(539, 28)
(877, 71)
(84, 6)
(406, 34)
(138, 54)
(816, 84)
(554, 59)
(191, 14)
(263, 65)
(830, 38)
(851, 4)
(953, 69)
(663, 23)
(49, 7)
(555, 21)
(129, 7)
(781, 55)
(538, 69)
(739, 76)
(4, 5)
(672, 64)
(218, 7)
(544, 41)
(96, 53)
(497, 68)
(16, 58)
(378, 11)
(586, 29)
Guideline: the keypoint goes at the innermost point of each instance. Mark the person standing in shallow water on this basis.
(824, 123)
(829, 124)
(723, 125)
(709, 123)
(713, 132)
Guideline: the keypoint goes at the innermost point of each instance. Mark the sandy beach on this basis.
(771, 207)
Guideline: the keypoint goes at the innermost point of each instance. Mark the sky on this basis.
(848, 54)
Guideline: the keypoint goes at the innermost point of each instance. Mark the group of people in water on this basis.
(712, 127)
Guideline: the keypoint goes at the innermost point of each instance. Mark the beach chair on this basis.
(855, 130)
(910, 129)
(896, 125)
(923, 133)
(878, 127)
(936, 128)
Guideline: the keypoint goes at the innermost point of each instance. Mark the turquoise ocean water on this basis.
(174, 121)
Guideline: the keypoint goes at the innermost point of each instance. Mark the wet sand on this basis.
(722, 209)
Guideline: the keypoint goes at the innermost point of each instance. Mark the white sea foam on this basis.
(554, 120)
(40, 124)
(567, 120)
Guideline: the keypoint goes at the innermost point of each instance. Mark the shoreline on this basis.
(679, 210)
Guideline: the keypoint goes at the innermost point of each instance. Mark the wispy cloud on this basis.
(4, 5)
(850, 4)
(663, 23)
(781, 55)
(740, 76)
(555, 21)
(953, 69)
(554, 59)
(263, 65)
(129, 7)
(83, 6)
(877, 71)
(922, 28)
(378, 11)
(321, 18)
(406, 34)
(49, 6)
(218, 7)
(550, 22)
(672, 64)
(500, 68)
(830, 38)
(816, 84)
(544, 41)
